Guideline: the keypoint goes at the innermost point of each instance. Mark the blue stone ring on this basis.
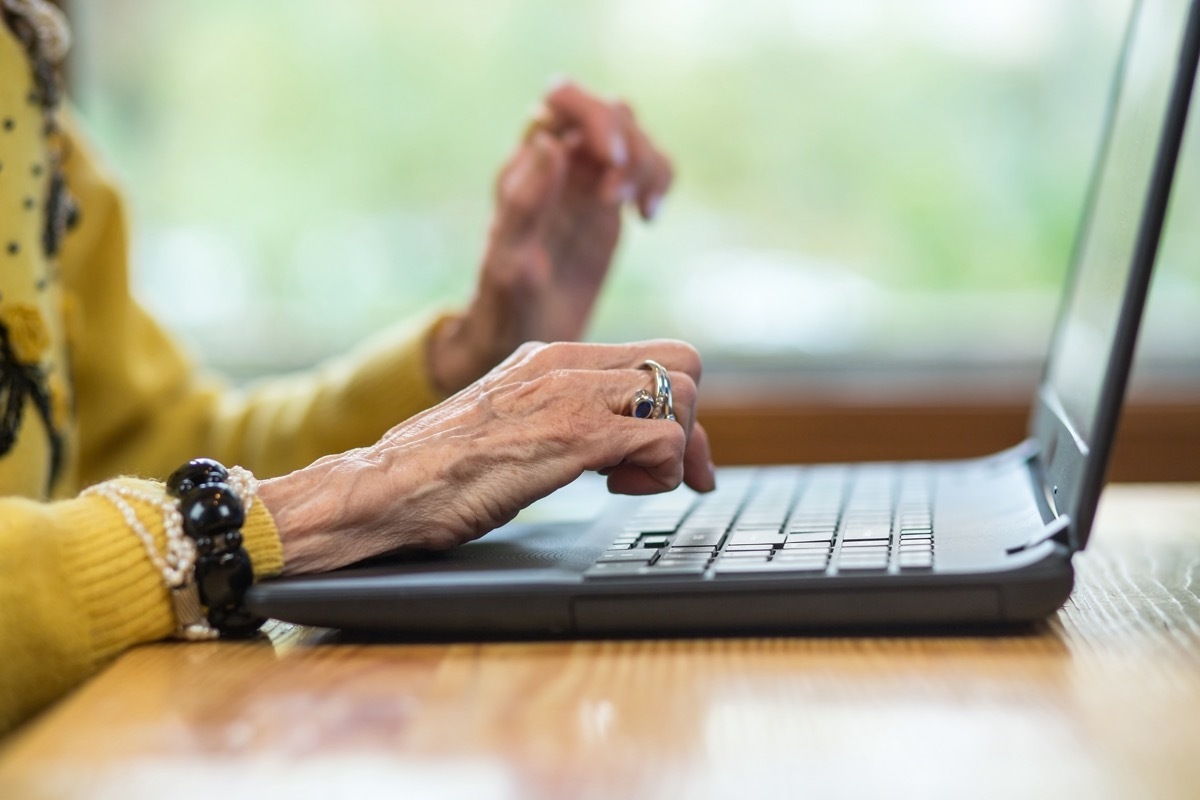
(662, 404)
(642, 405)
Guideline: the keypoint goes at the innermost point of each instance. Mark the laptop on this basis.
(793, 548)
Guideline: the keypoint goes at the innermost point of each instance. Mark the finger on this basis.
(673, 354)
(698, 470)
(528, 187)
(634, 459)
(652, 460)
(655, 178)
(613, 390)
(636, 480)
(623, 385)
(648, 175)
(631, 477)
(603, 136)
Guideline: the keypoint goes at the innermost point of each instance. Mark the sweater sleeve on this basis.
(77, 587)
(143, 408)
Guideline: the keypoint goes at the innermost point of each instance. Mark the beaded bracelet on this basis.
(205, 566)
(213, 503)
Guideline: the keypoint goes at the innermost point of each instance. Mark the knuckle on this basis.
(520, 203)
(684, 390)
(686, 357)
(524, 356)
(550, 355)
(563, 90)
(530, 349)
(566, 353)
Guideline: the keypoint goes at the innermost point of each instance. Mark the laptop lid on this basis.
(1078, 404)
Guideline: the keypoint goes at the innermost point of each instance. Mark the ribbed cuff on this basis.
(120, 593)
(119, 590)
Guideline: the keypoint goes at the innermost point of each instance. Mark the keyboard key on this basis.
(846, 556)
(756, 537)
(816, 521)
(857, 531)
(822, 562)
(916, 560)
(807, 547)
(863, 552)
(699, 538)
(745, 557)
(625, 570)
(636, 555)
(798, 565)
(793, 538)
(739, 568)
(677, 568)
(676, 555)
(748, 548)
(859, 565)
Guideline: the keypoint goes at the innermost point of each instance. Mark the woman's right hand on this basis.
(468, 465)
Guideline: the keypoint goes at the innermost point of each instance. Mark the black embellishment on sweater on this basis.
(19, 382)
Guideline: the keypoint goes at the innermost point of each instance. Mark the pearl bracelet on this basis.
(205, 566)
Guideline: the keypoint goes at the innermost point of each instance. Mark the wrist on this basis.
(305, 517)
(463, 347)
(360, 504)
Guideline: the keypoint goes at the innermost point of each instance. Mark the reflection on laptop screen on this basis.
(1104, 256)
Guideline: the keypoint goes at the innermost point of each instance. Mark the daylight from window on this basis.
(858, 182)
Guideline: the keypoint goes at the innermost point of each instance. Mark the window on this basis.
(860, 183)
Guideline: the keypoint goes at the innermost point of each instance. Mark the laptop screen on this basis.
(1104, 255)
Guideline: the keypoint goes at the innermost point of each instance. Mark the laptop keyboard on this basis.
(821, 520)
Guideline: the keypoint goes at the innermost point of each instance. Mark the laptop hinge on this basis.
(1058, 529)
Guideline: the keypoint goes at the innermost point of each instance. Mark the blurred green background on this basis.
(859, 182)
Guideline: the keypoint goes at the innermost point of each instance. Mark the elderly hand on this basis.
(454, 472)
(556, 226)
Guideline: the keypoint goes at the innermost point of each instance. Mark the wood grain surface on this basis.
(1102, 701)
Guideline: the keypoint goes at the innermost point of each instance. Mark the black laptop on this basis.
(791, 548)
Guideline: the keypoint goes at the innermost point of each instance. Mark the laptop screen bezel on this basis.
(1073, 470)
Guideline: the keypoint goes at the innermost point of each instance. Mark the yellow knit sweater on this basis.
(87, 375)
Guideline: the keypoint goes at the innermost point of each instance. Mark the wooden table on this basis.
(1101, 701)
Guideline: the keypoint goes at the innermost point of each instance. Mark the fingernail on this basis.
(619, 153)
(652, 206)
(712, 474)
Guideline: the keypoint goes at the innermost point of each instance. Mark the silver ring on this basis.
(664, 402)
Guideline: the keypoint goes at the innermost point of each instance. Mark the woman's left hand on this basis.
(555, 229)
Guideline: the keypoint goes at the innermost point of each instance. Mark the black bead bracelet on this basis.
(213, 516)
